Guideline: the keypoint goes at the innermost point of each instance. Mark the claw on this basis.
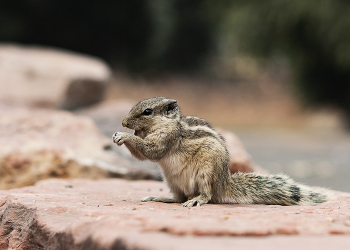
(191, 203)
(118, 138)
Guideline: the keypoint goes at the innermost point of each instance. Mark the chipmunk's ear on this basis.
(170, 106)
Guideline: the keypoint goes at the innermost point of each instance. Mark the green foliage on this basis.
(189, 37)
(314, 34)
(114, 30)
(135, 34)
(179, 35)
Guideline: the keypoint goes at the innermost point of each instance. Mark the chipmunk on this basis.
(195, 161)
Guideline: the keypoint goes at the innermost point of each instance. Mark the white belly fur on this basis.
(178, 175)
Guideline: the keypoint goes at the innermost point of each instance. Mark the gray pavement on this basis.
(317, 157)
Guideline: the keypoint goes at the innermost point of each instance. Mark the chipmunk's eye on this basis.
(147, 112)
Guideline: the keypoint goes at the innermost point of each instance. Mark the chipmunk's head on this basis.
(149, 112)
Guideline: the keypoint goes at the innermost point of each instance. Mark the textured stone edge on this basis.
(20, 229)
(25, 232)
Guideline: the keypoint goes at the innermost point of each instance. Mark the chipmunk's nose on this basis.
(125, 123)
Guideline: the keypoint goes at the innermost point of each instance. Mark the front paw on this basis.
(191, 203)
(119, 138)
(197, 201)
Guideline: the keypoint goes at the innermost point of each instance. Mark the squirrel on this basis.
(195, 162)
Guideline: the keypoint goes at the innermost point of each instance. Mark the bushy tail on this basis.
(277, 189)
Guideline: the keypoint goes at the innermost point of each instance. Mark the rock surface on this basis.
(108, 214)
(108, 115)
(240, 160)
(51, 77)
(41, 143)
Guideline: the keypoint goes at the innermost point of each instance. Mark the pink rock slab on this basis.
(108, 214)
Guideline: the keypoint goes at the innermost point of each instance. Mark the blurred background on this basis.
(277, 73)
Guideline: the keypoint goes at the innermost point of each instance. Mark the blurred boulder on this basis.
(40, 143)
(51, 77)
(240, 160)
(108, 116)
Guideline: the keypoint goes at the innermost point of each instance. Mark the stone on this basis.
(108, 214)
(108, 116)
(40, 143)
(240, 160)
(51, 77)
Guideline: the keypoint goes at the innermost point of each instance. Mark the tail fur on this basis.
(247, 188)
